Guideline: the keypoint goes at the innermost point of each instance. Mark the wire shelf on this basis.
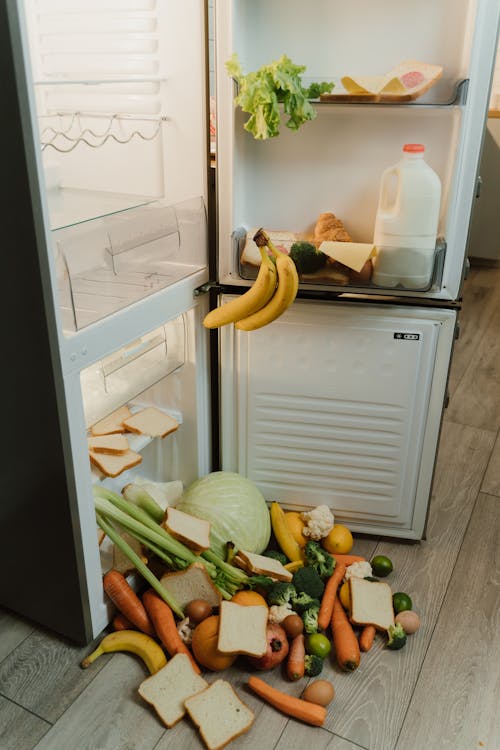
(71, 131)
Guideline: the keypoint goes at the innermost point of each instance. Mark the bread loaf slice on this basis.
(151, 421)
(167, 689)
(262, 565)
(192, 583)
(371, 603)
(111, 465)
(112, 423)
(219, 714)
(113, 444)
(242, 630)
(193, 532)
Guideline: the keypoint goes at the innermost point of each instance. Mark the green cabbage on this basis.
(235, 508)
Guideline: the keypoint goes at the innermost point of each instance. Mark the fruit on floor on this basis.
(296, 526)
(339, 540)
(134, 641)
(381, 566)
(283, 535)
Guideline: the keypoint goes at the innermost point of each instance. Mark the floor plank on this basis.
(19, 729)
(108, 714)
(43, 674)
(458, 691)
(491, 482)
(13, 631)
(298, 736)
(370, 703)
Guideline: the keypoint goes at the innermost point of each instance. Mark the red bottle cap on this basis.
(413, 148)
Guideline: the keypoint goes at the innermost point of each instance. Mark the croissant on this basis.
(328, 227)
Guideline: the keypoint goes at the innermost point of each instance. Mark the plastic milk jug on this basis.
(407, 221)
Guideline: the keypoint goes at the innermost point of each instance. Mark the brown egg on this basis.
(198, 610)
(409, 621)
(320, 692)
(293, 625)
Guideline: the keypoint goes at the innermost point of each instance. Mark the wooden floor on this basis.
(441, 691)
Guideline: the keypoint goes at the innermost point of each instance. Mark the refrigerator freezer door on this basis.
(340, 405)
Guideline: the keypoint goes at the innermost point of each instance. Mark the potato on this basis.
(409, 621)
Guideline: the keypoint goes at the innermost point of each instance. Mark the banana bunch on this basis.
(284, 536)
(130, 640)
(274, 289)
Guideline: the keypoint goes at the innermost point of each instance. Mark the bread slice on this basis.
(112, 423)
(121, 563)
(113, 444)
(193, 532)
(371, 603)
(219, 714)
(111, 466)
(167, 689)
(151, 421)
(192, 583)
(242, 630)
(262, 565)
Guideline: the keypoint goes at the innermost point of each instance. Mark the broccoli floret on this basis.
(397, 637)
(306, 257)
(310, 619)
(319, 559)
(313, 664)
(277, 555)
(303, 601)
(281, 593)
(306, 579)
(259, 582)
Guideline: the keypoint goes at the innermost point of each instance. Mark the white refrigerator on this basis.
(116, 249)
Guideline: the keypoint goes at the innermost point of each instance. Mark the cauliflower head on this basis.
(358, 570)
(278, 612)
(318, 522)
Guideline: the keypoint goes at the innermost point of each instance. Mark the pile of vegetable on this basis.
(308, 615)
(263, 91)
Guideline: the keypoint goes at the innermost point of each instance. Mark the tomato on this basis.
(318, 644)
(381, 566)
(401, 602)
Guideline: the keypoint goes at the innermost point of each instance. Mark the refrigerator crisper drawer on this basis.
(107, 264)
(340, 404)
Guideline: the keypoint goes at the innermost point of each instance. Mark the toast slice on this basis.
(192, 583)
(112, 423)
(113, 444)
(262, 565)
(193, 532)
(111, 465)
(151, 421)
(371, 603)
(167, 689)
(242, 630)
(219, 714)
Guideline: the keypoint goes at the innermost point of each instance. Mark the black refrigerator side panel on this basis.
(37, 552)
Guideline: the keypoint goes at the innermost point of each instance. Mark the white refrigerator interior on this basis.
(338, 402)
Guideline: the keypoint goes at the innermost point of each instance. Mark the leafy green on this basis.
(262, 91)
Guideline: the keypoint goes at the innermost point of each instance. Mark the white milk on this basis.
(407, 221)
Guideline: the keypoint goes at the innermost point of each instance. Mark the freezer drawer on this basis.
(340, 404)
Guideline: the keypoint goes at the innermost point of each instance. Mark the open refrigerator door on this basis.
(115, 126)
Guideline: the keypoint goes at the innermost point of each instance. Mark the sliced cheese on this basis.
(394, 86)
(351, 254)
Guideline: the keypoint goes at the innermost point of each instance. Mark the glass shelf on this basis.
(445, 92)
(70, 206)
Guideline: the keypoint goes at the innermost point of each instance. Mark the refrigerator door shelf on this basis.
(107, 264)
(339, 404)
(249, 272)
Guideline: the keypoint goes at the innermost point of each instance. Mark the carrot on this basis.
(298, 708)
(344, 640)
(367, 637)
(164, 624)
(295, 666)
(126, 601)
(120, 622)
(348, 559)
(329, 594)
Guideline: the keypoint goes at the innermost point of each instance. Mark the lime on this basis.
(318, 644)
(381, 566)
(401, 602)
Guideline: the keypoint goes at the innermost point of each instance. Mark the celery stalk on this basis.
(137, 495)
(137, 562)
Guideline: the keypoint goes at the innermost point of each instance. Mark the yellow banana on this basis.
(292, 567)
(283, 534)
(257, 296)
(288, 284)
(130, 640)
